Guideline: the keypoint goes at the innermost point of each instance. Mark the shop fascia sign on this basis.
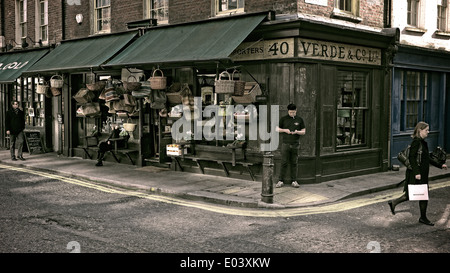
(307, 49)
(13, 65)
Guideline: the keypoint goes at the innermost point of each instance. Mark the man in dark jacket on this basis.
(15, 124)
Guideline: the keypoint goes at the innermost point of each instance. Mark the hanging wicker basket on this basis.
(131, 85)
(239, 86)
(96, 86)
(158, 82)
(56, 81)
(55, 91)
(42, 88)
(129, 126)
(224, 86)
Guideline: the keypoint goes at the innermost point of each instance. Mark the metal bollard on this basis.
(267, 184)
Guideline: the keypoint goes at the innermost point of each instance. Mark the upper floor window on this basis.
(442, 15)
(102, 16)
(413, 13)
(158, 9)
(43, 20)
(21, 31)
(229, 6)
(348, 6)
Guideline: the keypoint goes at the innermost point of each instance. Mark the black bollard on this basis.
(267, 184)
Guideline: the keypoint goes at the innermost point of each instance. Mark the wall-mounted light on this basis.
(79, 18)
(25, 44)
(9, 46)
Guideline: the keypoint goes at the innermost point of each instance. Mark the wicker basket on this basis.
(56, 81)
(224, 86)
(129, 126)
(158, 82)
(55, 91)
(250, 96)
(96, 86)
(42, 88)
(131, 85)
(174, 93)
(239, 86)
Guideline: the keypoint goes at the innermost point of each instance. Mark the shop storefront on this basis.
(420, 92)
(77, 64)
(23, 89)
(338, 78)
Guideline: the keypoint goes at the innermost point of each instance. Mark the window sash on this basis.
(413, 98)
(412, 14)
(102, 16)
(352, 110)
(442, 18)
(158, 9)
(43, 20)
(227, 6)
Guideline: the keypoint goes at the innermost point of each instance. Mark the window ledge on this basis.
(343, 15)
(442, 34)
(415, 30)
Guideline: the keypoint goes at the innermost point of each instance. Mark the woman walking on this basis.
(419, 172)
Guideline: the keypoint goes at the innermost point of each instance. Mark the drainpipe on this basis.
(63, 20)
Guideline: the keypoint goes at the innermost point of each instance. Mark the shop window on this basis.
(413, 97)
(31, 102)
(442, 15)
(43, 20)
(102, 16)
(229, 6)
(352, 109)
(158, 9)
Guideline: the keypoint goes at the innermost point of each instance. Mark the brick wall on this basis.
(180, 11)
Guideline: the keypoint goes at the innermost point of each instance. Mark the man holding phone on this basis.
(291, 127)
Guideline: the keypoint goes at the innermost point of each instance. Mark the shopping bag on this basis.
(418, 192)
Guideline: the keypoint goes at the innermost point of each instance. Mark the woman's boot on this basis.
(423, 204)
(394, 203)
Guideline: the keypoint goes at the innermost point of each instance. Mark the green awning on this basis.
(82, 54)
(200, 41)
(12, 65)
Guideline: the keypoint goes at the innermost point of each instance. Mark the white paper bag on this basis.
(418, 192)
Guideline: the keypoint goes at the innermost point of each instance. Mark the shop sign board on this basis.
(322, 50)
(34, 142)
(306, 48)
(263, 50)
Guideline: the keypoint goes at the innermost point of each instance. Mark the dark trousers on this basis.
(19, 138)
(289, 160)
(103, 147)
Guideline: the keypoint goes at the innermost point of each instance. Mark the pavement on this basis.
(209, 188)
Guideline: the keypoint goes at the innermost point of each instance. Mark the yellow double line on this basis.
(285, 212)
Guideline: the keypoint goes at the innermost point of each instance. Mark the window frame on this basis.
(414, 108)
(150, 8)
(347, 7)
(98, 9)
(347, 111)
(42, 21)
(442, 16)
(240, 6)
(412, 14)
(21, 18)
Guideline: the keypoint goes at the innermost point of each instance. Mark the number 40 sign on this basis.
(271, 49)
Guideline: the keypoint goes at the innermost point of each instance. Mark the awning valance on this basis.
(200, 41)
(12, 65)
(82, 54)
